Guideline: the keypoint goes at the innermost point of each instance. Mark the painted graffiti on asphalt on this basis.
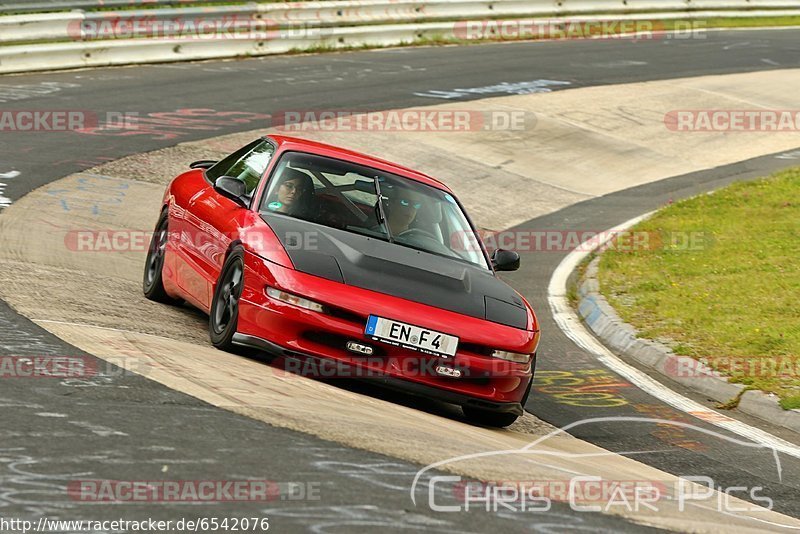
(10, 93)
(589, 388)
(175, 124)
(90, 193)
(516, 88)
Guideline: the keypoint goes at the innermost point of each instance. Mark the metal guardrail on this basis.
(87, 39)
(43, 6)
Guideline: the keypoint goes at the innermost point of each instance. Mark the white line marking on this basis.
(571, 325)
(789, 155)
(4, 200)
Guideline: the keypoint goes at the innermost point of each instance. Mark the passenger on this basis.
(293, 195)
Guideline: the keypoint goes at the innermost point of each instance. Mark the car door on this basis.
(212, 219)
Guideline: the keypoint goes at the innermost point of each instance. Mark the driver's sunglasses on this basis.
(406, 203)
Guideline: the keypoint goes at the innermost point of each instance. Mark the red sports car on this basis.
(346, 265)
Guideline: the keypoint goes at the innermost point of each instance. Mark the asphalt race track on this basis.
(51, 431)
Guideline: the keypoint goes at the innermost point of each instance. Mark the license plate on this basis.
(410, 336)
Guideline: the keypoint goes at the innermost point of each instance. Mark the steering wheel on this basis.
(427, 241)
(411, 232)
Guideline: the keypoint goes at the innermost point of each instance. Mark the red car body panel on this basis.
(204, 226)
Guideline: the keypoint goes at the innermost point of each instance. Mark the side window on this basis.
(223, 165)
(247, 164)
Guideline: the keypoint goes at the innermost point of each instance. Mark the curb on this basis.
(603, 321)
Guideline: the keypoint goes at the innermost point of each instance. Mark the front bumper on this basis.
(281, 328)
(385, 380)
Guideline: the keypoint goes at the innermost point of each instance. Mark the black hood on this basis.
(399, 271)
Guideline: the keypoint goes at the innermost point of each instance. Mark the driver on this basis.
(401, 210)
(293, 194)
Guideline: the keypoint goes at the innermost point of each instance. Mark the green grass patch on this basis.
(720, 281)
(573, 295)
(750, 22)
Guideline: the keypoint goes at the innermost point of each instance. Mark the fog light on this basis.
(448, 371)
(360, 348)
(515, 357)
(294, 300)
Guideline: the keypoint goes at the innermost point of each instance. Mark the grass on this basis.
(573, 297)
(731, 297)
(751, 22)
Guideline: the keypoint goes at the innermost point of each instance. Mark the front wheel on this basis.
(224, 316)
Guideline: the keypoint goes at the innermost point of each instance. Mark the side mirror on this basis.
(202, 164)
(505, 260)
(231, 188)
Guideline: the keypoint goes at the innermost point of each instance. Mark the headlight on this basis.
(294, 300)
(515, 357)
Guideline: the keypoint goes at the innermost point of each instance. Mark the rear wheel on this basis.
(488, 418)
(153, 283)
(224, 316)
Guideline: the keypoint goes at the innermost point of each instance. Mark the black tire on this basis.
(524, 400)
(152, 282)
(530, 384)
(488, 418)
(224, 316)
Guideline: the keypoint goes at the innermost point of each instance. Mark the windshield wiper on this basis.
(381, 210)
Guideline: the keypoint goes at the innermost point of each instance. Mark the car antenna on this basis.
(381, 211)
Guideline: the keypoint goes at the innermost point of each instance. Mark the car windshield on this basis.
(344, 195)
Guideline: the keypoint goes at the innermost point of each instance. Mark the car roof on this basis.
(306, 145)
